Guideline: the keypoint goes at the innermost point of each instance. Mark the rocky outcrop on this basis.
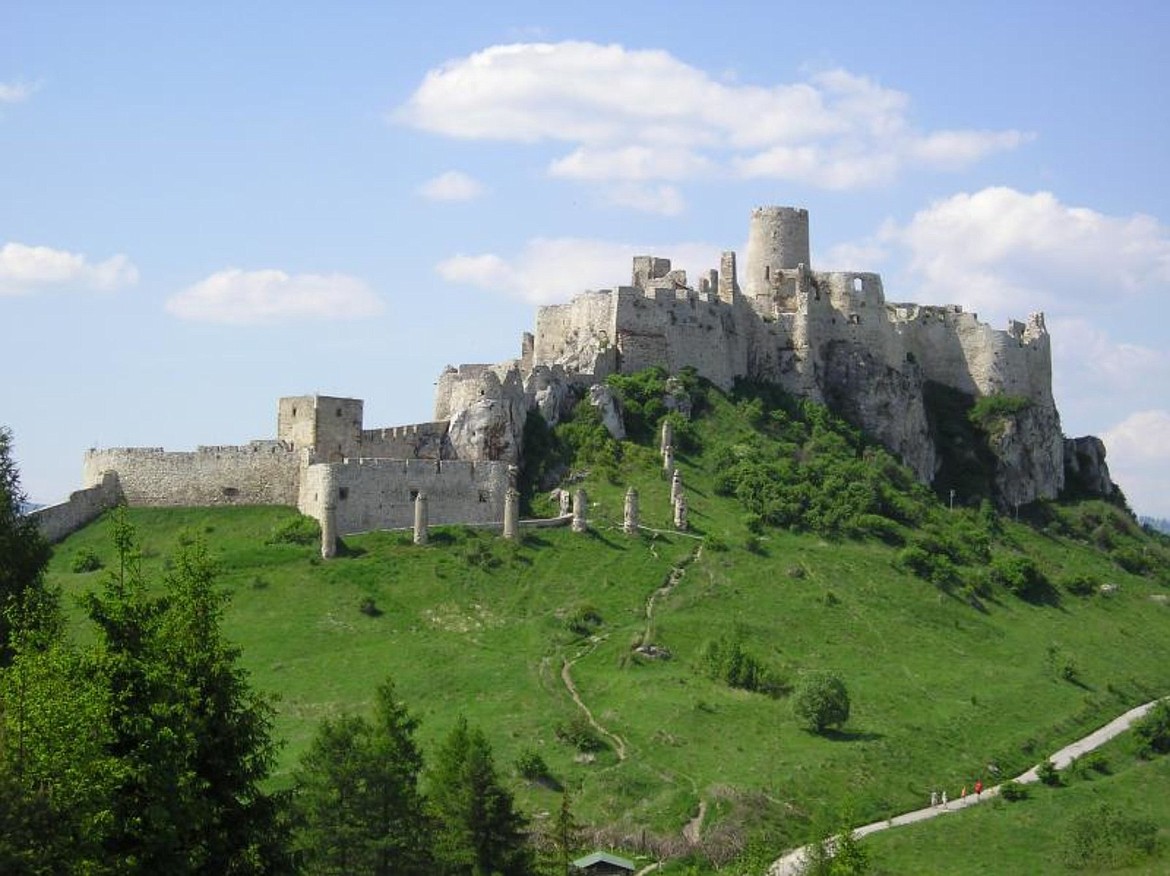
(1085, 471)
(881, 400)
(549, 391)
(1029, 455)
(486, 407)
(602, 398)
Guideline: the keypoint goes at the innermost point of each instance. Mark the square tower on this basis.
(331, 427)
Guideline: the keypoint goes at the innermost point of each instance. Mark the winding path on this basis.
(791, 863)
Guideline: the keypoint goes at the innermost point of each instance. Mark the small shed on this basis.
(604, 864)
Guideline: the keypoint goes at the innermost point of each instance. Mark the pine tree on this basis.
(24, 553)
(357, 803)
(478, 831)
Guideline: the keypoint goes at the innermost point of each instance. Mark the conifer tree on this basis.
(478, 830)
(357, 804)
(24, 553)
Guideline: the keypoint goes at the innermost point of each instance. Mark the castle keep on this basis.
(828, 336)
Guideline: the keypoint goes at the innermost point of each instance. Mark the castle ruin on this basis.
(828, 336)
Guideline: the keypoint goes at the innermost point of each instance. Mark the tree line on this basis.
(146, 751)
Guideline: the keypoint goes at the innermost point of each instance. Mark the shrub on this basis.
(579, 733)
(1153, 731)
(1048, 774)
(1104, 837)
(821, 701)
(369, 608)
(584, 619)
(530, 765)
(296, 530)
(1081, 585)
(726, 660)
(86, 560)
(1020, 575)
(1013, 791)
(990, 408)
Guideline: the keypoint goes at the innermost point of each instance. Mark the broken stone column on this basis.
(566, 501)
(676, 487)
(511, 514)
(680, 513)
(579, 501)
(329, 530)
(630, 523)
(668, 460)
(667, 437)
(421, 521)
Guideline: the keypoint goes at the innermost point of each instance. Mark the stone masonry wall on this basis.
(417, 441)
(379, 493)
(259, 473)
(83, 506)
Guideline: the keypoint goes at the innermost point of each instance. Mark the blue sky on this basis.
(204, 206)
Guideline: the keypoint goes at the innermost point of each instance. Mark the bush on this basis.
(1049, 774)
(1153, 731)
(369, 608)
(1103, 837)
(1013, 791)
(1021, 576)
(584, 619)
(297, 530)
(579, 733)
(1081, 585)
(821, 701)
(726, 660)
(530, 765)
(990, 408)
(86, 560)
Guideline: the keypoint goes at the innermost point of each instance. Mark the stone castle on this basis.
(828, 336)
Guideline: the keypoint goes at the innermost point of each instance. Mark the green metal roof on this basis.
(606, 857)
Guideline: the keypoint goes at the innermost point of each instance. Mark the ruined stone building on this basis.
(828, 336)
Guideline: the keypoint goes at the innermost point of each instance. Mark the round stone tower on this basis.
(777, 241)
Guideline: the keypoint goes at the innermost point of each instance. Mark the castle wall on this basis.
(374, 494)
(83, 506)
(677, 329)
(576, 335)
(259, 473)
(418, 441)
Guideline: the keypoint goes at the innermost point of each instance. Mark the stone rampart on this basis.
(375, 494)
(259, 473)
(82, 507)
(417, 441)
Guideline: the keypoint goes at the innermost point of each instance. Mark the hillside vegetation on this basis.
(970, 643)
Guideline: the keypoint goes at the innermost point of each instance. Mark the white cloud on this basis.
(660, 200)
(549, 270)
(17, 92)
(998, 248)
(454, 185)
(1138, 455)
(239, 297)
(25, 269)
(643, 115)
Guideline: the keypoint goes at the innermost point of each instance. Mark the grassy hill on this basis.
(960, 634)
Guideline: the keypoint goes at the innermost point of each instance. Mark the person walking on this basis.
(944, 799)
(978, 788)
(933, 799)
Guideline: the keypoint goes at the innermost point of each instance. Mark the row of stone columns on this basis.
(575, 504)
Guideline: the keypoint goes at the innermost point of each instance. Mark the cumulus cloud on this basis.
(237, 297)
(644, 116)
(549, 270)
(27, 269)
(1139, 460)
(454, 185)
(998, 247)
(17, 92)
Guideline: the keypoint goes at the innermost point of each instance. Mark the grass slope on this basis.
(474, 625)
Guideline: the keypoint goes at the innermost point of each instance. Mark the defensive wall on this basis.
(82, 507)
(259, 473)
(379, 493)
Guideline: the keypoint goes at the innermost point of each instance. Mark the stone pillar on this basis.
(630, 523)
(511, 514)
(676, 487)
(667, 436)
(680, 513)
(566, 501)
(421, 519)
(579, 502)
(329, 529)
(668, 461)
